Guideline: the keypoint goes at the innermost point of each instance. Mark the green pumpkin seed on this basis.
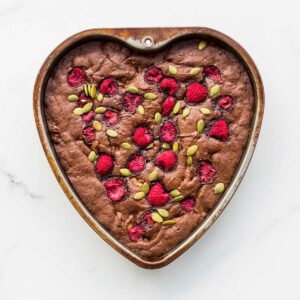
(150, 146)
(141, 110)
(169, 222)
(87, 107)
(132, 90)
(78, 111)
(200, 126)
(86, 89)
(176, 108)
(166, 146)
(92, 156)
(97, 125)
(214, 90)
(172, 70)
(73, 98)
(192, 150)
(100, 110)
(153, 176)
(156, 217)
(145, 187)
(189, 161)
(150, 96)
(174, 193)
(195, 71)
(163, 212)
(158, 118)
(175, 147)
(126, 146)
(186, 112)
(202, 45)
(93, 91)
(125, 172)
(219, 188)
(178, 198)
(111, 133)
(100, 97)
(139, 195)
(205, 111)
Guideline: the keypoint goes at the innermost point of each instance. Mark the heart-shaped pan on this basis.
(150, 41)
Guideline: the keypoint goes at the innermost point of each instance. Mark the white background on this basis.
(48, 252)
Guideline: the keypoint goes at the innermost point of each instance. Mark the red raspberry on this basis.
(104, 165)
(108, 87)
(131, 102)
(169, 85)
(148, 220)
(137, 164)
(89, 132)
(168, 132)
(225, 103)
(142, 136)
(111, 117)
(219, 130)
(88, 117)
(157, 195)
(213, 72)
(113, 182)
(166, 160)
(168, 105)
(188, 205)
(206, 172)
(196, 93)
(136, 233)
(153, 75)
(116, 189)
(75, 77)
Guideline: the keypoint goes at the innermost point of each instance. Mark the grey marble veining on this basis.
(16, 183)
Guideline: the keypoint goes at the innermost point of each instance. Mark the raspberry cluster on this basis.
(116, 187)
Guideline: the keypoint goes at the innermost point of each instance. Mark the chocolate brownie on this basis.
(149, 141)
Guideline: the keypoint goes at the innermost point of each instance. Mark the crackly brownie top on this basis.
(149, 141)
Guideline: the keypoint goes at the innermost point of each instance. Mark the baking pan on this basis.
(147, 40)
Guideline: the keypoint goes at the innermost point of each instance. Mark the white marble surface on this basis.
(48, 252)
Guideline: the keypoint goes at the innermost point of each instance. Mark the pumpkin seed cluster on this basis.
(101, 121)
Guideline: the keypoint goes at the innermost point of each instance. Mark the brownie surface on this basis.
(129, 220)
